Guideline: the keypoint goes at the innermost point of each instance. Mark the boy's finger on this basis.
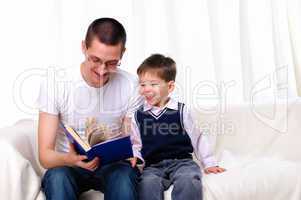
(221, 169)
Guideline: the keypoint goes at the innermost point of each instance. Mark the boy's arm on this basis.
(201, 145)
(129, 126)
(136, 140)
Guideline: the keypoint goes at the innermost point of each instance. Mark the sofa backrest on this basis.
(241, 129)
(261, 130)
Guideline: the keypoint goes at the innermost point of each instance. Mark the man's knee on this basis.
(121, 183)
(125, 172)
(123, 177)
(59, 183)
(57, 176)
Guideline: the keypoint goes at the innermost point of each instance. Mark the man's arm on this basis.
(49, 158)
(48, 125)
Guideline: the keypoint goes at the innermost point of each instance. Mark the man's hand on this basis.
(73, 159)
(214, 170)
(133, 161)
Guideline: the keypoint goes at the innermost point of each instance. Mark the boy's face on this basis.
(154, 89)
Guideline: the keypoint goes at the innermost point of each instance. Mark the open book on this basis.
(109, 151)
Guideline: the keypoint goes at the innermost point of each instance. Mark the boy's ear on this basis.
(171, 86)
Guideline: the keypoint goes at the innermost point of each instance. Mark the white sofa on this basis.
(262, 163)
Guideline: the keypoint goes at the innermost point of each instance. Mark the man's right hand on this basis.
(73, 159)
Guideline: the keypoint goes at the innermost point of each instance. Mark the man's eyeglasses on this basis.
(108, 64)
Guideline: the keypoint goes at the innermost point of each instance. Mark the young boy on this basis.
(168, 137)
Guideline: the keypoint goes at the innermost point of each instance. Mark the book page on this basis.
(97, 132)
(76, 137)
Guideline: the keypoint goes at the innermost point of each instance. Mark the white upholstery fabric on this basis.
(261, 162)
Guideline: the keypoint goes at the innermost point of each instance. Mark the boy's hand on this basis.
(214, 170)
(133, 161)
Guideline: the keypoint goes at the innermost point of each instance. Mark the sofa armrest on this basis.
(19, 178)
(22, 137)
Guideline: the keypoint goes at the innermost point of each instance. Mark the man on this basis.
(98, 91)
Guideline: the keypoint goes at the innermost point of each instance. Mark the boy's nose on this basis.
(147, 89)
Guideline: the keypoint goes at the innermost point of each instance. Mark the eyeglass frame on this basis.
(106, 63)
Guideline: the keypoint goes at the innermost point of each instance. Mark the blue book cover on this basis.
(109, 151)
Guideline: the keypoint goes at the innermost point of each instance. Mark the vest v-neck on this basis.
(159, 114)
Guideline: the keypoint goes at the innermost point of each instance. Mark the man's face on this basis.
(154, 89)
(101, 61)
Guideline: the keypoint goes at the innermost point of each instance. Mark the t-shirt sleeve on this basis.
(47, 101)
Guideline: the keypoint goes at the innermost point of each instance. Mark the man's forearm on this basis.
(50, 159)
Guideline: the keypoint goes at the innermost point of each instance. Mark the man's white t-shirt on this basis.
(65, 93)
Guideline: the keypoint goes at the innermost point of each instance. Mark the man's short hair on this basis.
(164, 67)
(107, 30)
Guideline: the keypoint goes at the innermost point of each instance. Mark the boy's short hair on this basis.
(107, 30)
(164, 67)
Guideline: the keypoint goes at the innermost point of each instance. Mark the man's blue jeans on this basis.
(184, 174)
(117, 181)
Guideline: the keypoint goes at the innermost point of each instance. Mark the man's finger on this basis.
(71, 148)
(92, 162)
(133, 162)
(81, 157)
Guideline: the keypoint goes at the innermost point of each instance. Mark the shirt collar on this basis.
(171, 104)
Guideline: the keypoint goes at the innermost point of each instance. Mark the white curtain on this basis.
(227, 52)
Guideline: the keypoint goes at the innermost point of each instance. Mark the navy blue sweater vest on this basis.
(163, 136)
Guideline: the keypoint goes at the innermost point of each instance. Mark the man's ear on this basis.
(122, 52)
(84, 47)
(171, 86)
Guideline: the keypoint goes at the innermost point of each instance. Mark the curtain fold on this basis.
(236, 50)
(294, 16)
(227, 52)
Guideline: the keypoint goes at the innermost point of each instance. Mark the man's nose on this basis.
(102, 69)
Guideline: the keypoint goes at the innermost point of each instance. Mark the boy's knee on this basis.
(150, 181)
(189, 180)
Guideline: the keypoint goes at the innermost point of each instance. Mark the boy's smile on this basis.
(154, 89)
